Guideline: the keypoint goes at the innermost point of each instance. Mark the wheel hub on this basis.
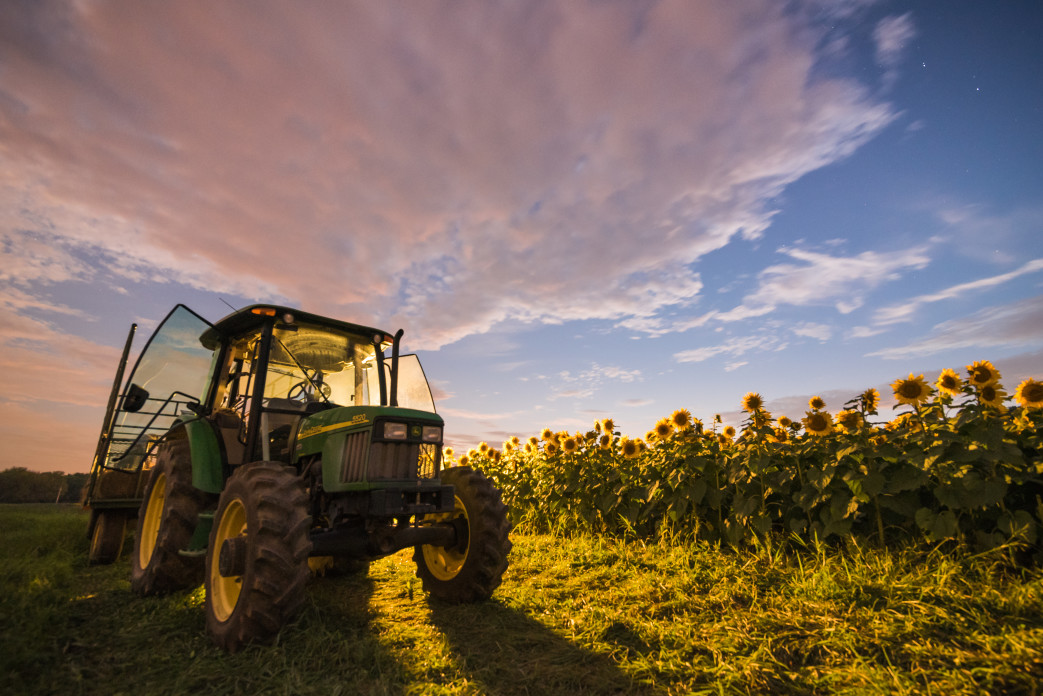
(232, 559)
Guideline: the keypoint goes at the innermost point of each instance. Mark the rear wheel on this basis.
(257, 561)
(107, 537)
(473, 568)
(167, 518)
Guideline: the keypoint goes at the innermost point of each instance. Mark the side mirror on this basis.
(134, 399)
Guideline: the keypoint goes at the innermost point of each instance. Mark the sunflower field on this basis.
(956, 463)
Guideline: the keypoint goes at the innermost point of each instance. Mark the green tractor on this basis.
(273, 444)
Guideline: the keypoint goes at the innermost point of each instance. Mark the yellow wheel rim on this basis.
(224, 590)
(153, 516)
(445, 563)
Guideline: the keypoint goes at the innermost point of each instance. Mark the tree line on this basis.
(19, 485)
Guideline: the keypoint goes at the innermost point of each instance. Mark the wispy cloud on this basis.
(1019, 324)
(733, 347)
(907, 309)
(821, 279)
(892, 35)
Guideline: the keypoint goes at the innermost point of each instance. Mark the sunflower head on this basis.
(816, 403)
(534, 441)
(1030, 394)
(629, 447)
(483, 447)
(550, 448)
(781, 435)
(785, 422)
(729, 431)
(992, 395)
(911, 390)
(982, 373)
(569, 445)
(752, 402)
(608, 426)
(530, 448)
(664, 428)
(464, 460)
(818, 422)
(681, 418)
(849, 420)
(447, 452)
(472, 453)
(870, 399)
(723, 439)
(508, 446)
(605, 441)
(949, 382)
(546, 434)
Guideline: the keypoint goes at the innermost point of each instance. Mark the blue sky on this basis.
(575, 209)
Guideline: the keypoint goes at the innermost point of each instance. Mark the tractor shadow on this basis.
(510, 653)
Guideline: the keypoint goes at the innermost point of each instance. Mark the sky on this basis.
(576, 209)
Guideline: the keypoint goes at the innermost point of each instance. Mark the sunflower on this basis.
(551, 448)
(723, 439)
(447, 452)
(818, 422)
(608, 426)
(992, 394)
(508, 446)
(681, 418)
(605, 442)
(752, 402)
(534, 441)
(664, 428)
(816, 403)
(949, 382)
(781, 435)
(629, 447)
(1030, 394)
(472, 453)
(982, 373)
(849, 420)
(729, 432)
(530, 448)
(546, 434)
(464, 461)
(784, 422)
(870, 399)
(515, 440)
(900, 421)
(569, 445)
(911, 390)
(483, 447)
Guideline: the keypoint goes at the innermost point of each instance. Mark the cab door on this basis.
(172, 375)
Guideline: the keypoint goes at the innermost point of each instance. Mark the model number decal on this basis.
(358, 419)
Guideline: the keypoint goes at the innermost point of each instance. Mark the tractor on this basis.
(274, 444)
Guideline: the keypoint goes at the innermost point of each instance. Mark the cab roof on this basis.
(255, 316)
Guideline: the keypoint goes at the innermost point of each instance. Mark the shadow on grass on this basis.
(510, 653)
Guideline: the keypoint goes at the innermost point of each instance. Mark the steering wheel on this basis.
(306, 389)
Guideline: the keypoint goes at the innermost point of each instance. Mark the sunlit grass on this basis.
(575, 615)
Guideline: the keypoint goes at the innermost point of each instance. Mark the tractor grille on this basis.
(387, 460)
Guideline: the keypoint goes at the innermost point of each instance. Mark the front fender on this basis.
(207, 463)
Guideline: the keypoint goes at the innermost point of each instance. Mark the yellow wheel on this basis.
(470, 569)
(225, 590)
(257, 560)
(107, 536)
(167, 520)
(149, 528)
(446, 563)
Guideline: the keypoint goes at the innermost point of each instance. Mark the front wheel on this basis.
(473, 568)
(257, 561)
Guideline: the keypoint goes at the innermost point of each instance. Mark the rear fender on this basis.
(207, 463)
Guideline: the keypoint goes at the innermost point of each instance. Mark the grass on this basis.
(578, 615)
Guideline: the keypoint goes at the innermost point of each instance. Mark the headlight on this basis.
(394, 431)
(432, 433)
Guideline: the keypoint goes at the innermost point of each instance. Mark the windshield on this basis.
(308, 363)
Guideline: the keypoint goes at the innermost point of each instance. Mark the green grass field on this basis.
(574, 616)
